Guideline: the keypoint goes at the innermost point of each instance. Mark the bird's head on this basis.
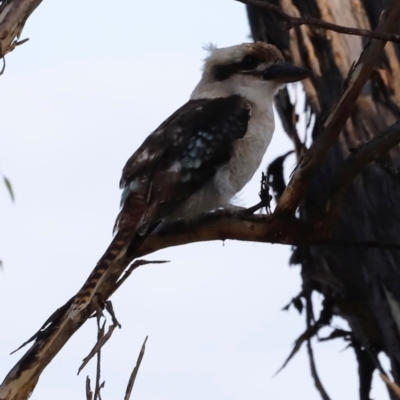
(248, 66)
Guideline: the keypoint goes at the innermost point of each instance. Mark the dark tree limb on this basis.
(366, 368)
(297, 21)
(275, 177)
(314, 373)
(325, 318)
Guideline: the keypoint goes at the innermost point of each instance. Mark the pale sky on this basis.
(76, 101)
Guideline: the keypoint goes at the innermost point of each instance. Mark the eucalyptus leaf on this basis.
(9, 188)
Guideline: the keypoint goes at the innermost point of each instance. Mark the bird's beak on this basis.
(285, 73)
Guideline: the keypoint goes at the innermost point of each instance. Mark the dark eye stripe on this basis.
(249, 62)
(223, 72)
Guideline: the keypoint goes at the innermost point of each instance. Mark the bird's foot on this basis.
(265, 198)
(253, 209)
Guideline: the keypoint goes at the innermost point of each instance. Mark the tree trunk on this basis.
(362, 285)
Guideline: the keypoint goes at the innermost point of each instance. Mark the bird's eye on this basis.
(249, 62)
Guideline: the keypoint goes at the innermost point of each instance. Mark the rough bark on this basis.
(364, 284)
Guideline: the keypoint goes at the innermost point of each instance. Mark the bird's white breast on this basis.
(248, 154)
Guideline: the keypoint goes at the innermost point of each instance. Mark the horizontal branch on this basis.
(254, 228)
(285, 230)
(340, 112)
(293, 21)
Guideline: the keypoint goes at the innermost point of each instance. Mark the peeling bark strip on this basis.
(13, 15)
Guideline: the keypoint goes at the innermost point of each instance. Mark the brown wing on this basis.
(175, 161)
(180, 156)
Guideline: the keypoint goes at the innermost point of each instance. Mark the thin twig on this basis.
(109, 307)
(89, 393)
(132, 378)
(312, 330)
(314, 373)
(306, 335)
(131, 268)
(101, 341)
(295, 21)
(4, 65)
(100, 335)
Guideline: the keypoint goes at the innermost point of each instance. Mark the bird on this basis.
(200, 157)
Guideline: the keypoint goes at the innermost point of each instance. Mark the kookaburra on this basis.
(204, 153)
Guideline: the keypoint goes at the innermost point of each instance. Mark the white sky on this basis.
(76, 101)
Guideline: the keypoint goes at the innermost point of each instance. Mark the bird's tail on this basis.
(129, 235)
(115, 252)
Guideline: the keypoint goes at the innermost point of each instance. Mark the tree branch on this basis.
(293, 21)
(13, 15)
(276, 228)
(272, 229)
(358, 75)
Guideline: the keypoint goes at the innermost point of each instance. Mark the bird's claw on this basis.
(265, 198)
